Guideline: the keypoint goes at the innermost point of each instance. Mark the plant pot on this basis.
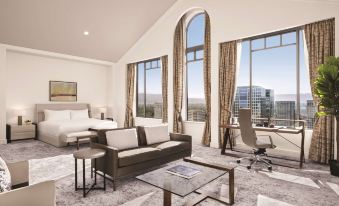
(334, 167)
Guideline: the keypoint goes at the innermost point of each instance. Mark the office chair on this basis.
(249, 137)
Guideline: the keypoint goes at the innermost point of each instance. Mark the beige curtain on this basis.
(227, 77)
(131, 68)
(178, 69)
(164, 65)
(206, 140)
(319, 37)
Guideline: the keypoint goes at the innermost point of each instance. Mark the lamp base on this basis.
(19, 120)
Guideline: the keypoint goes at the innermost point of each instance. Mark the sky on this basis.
(272, 68)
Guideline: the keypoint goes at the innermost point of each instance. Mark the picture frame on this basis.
(62, 91)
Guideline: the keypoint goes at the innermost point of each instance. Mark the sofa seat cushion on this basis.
(138, 155)
(171, 147)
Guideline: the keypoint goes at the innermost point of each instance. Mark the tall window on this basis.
(196, 108)
(273, 79)
(149, 89)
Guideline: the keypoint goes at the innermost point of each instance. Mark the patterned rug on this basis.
(312, 185)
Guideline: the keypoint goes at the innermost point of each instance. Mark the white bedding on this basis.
(57, 128)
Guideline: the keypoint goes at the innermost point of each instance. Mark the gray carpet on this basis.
(48, 162)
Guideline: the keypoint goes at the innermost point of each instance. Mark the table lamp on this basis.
(20, 113)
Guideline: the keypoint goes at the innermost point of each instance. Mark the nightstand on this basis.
(18, 132)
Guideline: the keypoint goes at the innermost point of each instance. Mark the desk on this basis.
(228, 127)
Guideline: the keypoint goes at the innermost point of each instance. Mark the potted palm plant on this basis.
(327, 89)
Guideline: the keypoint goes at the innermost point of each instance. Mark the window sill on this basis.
(193, 122)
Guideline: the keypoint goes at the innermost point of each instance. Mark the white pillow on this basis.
(122, 138)
(156, 134)
(57, 115)
(79, 114)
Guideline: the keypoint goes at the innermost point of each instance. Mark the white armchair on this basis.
(41, 194)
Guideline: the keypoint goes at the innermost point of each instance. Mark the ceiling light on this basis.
(86, 33)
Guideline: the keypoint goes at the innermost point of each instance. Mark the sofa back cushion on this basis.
(5, 177)
(156, 134)
(122, 139)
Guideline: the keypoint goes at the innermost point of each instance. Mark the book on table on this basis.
(183, 171)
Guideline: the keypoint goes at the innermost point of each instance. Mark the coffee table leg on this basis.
(167, 198)
(83, 177)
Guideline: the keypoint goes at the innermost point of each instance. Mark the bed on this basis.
(55, 132)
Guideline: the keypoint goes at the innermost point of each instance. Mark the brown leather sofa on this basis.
(125, 162)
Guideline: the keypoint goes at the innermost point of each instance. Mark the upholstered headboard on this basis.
(40, 115)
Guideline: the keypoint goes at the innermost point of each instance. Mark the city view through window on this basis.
(149, 92)
(275, 63)
(275, 76)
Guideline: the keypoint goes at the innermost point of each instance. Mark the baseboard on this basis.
(3, 141)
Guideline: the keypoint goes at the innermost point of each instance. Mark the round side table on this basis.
(91, 154)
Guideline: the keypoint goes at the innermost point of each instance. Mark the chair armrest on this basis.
(40, 194)
(180, 137)
(19, 173)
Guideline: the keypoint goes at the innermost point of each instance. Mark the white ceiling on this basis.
(58, 25)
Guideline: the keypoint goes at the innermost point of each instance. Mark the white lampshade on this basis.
(19, 112)
(102, 109)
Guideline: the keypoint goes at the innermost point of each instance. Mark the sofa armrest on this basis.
(40, 194)
(110, 161)
(180, 137)
(19, 173)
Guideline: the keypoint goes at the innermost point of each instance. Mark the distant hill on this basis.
(155, 98)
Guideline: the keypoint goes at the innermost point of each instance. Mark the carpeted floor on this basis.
(284, 186)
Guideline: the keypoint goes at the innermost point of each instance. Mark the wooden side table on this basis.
(88, 154)
(19, 132)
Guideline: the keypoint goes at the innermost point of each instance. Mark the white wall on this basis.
(28, 76)
(230, 20)
(2, 94)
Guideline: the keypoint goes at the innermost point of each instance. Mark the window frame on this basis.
(298, 31)
(159, 66)
(193, 49)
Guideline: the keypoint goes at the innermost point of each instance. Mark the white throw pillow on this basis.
(57, 115)
(122, 138)
(156, 134)
(79, 114)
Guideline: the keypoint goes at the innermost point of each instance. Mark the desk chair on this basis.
(249, 137)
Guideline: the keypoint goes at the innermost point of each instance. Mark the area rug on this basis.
(252, 185)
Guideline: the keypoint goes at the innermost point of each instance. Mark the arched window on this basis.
(195, 37)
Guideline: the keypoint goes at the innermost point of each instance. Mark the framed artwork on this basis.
(60, 91)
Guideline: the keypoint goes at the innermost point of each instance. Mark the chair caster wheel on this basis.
(248, 167)
(270, 168)
(238, 161)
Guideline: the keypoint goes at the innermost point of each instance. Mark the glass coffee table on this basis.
(174, 184)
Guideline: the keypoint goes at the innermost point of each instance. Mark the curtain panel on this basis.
(131, 69)
(227, 82)
(178, 69)
(206, 140)
(164, 66)
(320, 42)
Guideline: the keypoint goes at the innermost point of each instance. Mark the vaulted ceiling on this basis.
(59, 25)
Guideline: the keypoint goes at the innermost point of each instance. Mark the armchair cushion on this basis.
(5, 177)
